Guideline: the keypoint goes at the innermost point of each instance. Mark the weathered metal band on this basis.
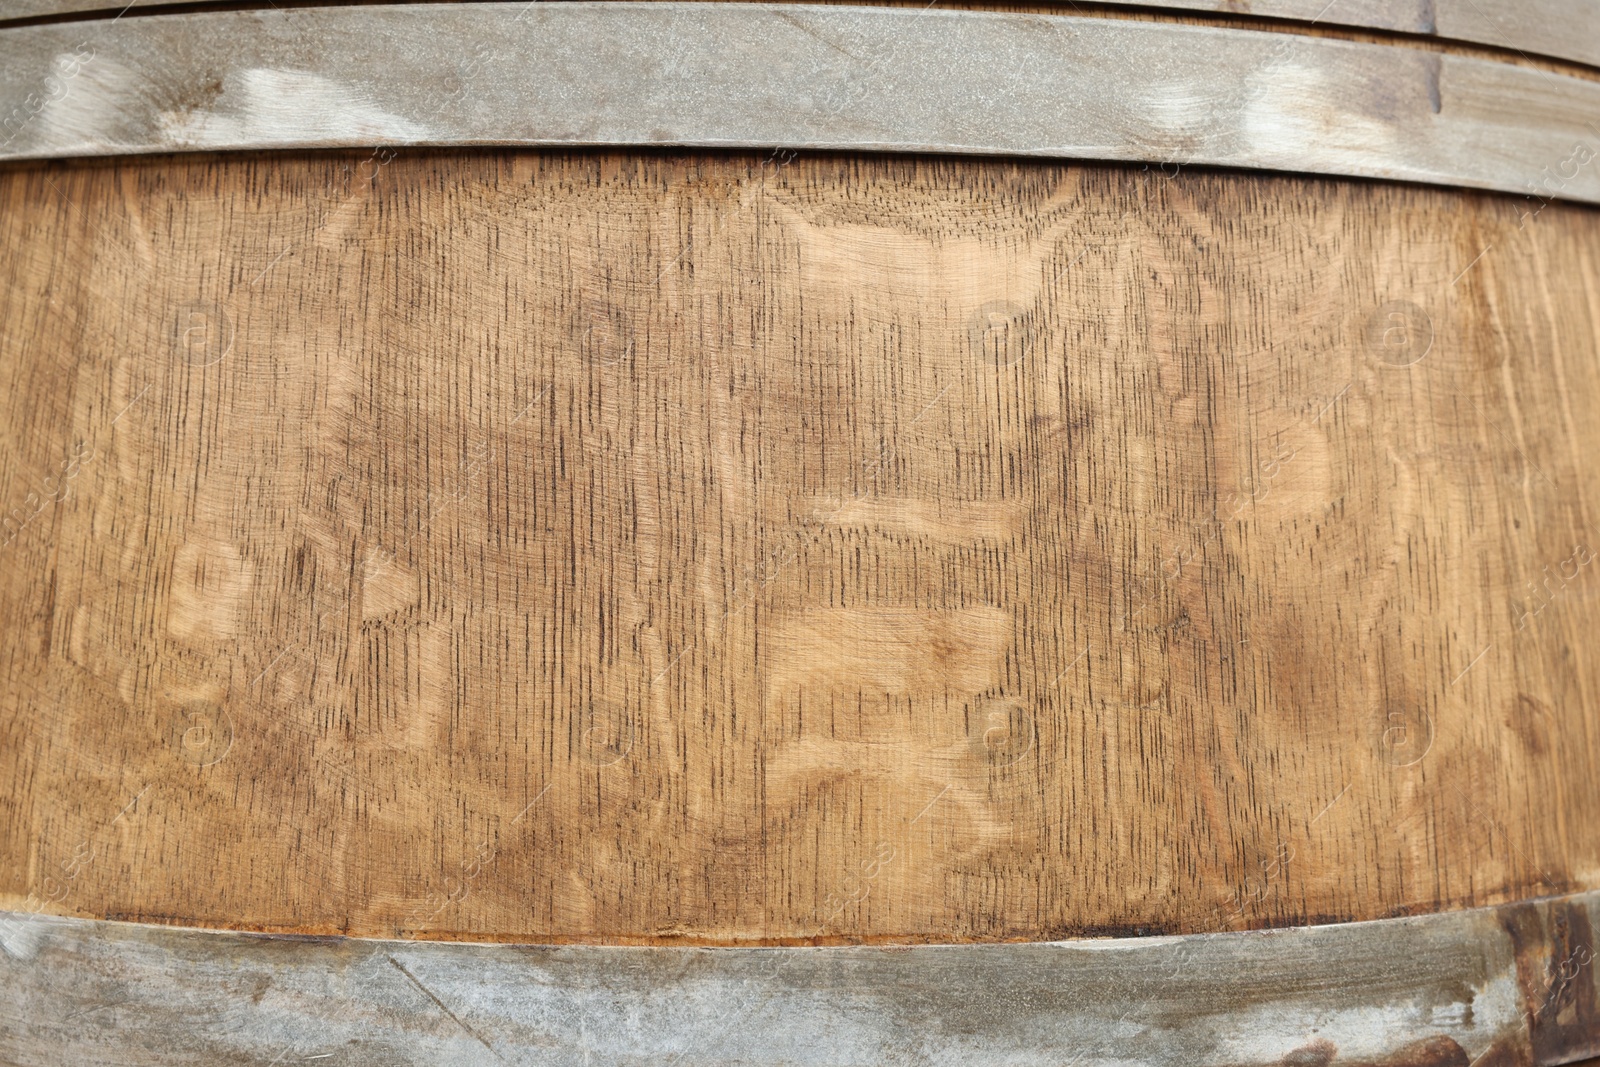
(1562, 29)
(1504, 985)
(759, 76)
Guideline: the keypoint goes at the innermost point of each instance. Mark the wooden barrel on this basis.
(1081, 554)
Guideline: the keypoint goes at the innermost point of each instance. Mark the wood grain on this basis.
(647, 548)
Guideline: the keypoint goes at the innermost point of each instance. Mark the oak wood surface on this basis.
(647, 547)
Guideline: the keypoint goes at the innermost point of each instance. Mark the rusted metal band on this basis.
(1504, 985)
(762, 76)
(1560, 29)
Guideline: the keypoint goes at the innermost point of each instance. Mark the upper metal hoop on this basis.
(759, 75)
(1561, 29)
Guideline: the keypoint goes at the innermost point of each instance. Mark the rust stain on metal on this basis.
(1318, 1053)
(1508, 1051)
(1437, 1051)
(1554, 946)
